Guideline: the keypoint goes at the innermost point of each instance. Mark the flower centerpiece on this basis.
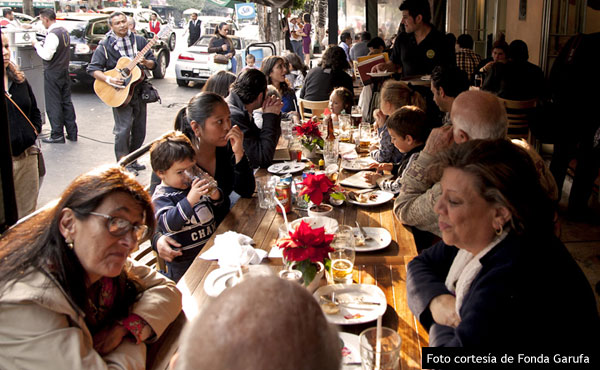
(308, 250)
(316, 189)
(309, 134)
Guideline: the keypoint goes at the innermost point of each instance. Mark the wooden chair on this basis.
(519, 113)
(316, 108)
(145, 255)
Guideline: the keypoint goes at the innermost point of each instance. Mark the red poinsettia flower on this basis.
(306, 243)
(309, 128)
(316, 187)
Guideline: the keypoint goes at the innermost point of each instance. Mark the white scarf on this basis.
(465, 268)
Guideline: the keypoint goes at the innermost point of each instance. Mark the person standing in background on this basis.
(296, 36)
(154, 24)
(360, 48)
(194, 29)
(345, 44)
(466, 58)
(55, 53)
(285, 27)
(25, 122)
(12, 22)
(306, 29)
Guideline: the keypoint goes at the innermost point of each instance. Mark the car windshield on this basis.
(205, 40)
(75, 28)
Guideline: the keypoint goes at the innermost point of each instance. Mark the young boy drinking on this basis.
(408, 130)
(183, 205)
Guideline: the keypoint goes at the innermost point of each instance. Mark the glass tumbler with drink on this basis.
(342, 257)
(295, 150)
(195, 172)
(345, 128)
(265, 189)
(330, 152)
(384, 355)
(364, 136)
(356, 116)
(286, 128)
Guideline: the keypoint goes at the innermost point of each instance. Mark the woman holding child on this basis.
(500, 278)
(219, 151)
(70, 298)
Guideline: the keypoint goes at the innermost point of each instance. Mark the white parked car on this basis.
(142, 19)
(196, 63)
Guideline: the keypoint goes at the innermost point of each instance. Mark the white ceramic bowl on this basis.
(329, 223)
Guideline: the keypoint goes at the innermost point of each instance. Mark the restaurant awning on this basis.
(271, 3)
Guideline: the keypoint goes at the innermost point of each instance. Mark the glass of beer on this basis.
(356, 116)
(342, 257)
(345, 128)
(364, 136)
(295, 150)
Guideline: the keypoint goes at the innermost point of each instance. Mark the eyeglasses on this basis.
(119, 226)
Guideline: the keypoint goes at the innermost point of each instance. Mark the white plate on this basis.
(219, 280)
(286, 167)
(330, 224)
(356, 314)
(381, 239)
(382, 197)
(358, 164)
(350, 351)
(426, 78)
(380, 74)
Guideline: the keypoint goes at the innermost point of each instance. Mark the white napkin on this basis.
(348, 151)
(233, 249)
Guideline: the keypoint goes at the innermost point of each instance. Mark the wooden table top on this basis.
(385, 268)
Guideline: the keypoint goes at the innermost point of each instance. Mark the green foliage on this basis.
(311, 144)
(338, 196)
(309, 270)
(296, 5)
(186, 4)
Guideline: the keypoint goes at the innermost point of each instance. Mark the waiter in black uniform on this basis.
(421, 47)
(194, 29)
(57, 88)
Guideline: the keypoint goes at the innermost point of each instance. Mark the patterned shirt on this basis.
(467, 60)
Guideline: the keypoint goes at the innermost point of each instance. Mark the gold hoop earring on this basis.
(499, 231)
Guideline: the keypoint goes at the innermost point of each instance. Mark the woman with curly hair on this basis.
(25, 123)
(329, 74)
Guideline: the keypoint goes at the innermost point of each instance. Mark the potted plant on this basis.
(307, 250)
(310, 137)
(316, 189)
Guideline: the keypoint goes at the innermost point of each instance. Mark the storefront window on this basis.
(351, 16)
(388, 19)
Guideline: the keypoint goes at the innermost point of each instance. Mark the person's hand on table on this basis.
(382, 166)
(440, 139)
(443, 310)
(236, 139)
(380, 118)
(106, 340)
(272, 104)
(164, 247)
(371, 177)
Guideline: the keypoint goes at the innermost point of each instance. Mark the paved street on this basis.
(64, 162)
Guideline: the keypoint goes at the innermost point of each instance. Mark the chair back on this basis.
(316, 108)
(145, 255)
(356, 72)
(519, 114)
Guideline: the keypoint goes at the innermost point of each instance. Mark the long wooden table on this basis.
(385, 268)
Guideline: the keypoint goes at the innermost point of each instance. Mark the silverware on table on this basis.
(362, 233)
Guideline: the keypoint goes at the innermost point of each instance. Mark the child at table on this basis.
(250, 62)
(394, 95)
(340, 102)
(183, 207)
(408, 131)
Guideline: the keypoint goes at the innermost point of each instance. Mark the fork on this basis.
(362, 232)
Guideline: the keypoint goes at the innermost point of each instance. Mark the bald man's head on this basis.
(262, 323)
(478, 115)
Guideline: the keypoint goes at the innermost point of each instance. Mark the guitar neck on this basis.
(141, 53)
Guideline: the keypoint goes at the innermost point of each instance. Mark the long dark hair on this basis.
(296, 62)
(199, 108)
(505, 176)
(37, 243)
(267, 67)
(219, 83)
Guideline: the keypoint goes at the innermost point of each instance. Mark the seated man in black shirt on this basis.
(421, 47)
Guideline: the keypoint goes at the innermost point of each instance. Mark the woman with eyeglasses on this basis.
(69, 294)
(223, 46)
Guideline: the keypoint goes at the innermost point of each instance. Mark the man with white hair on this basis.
(263, 323)
(474, 115)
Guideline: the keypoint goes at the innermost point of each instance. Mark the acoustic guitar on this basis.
(119, 95)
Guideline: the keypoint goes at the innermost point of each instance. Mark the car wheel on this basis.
(172, 42)
(161, 68)
(182, 83)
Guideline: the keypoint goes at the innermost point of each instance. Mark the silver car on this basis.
(196, 63)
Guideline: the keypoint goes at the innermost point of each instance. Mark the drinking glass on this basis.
(265, 188)
(342, 257)
(195, 172)
(389, 353)
(286, 128)
(364, 136)
(345, 128)
(295, 150)
(356, 115)
(330, 152)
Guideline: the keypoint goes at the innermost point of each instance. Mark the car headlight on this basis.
(82, 49)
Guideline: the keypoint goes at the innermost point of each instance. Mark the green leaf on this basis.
(338, 196)
(327, 263)
(309, 270)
